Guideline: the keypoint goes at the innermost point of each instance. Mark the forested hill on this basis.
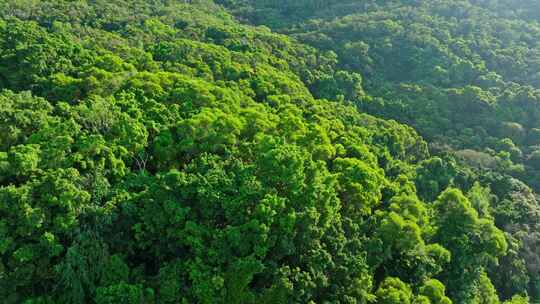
(465, 74)
(168, 151)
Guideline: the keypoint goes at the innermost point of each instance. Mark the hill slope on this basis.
(162, 152)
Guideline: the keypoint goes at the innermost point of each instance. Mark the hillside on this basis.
(461, 73)
(158, 151)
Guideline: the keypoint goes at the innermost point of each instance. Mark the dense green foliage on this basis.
(462, 73)
(162, 152)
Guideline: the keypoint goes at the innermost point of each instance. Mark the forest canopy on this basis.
(246, 151)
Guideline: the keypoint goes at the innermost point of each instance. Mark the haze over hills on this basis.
(250, 151)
